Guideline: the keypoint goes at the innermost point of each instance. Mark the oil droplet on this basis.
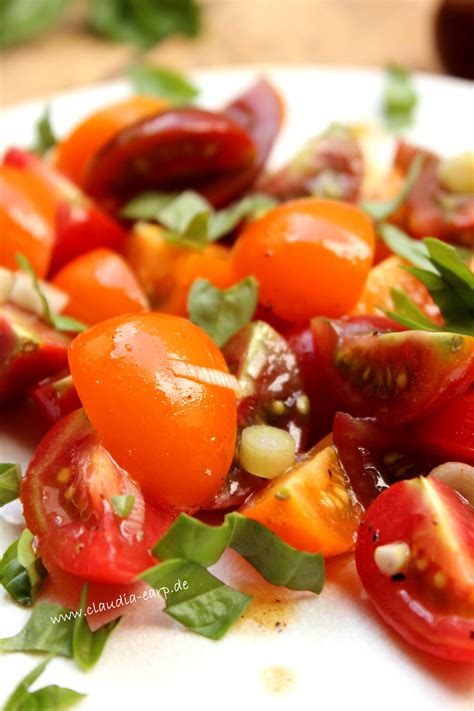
(278, 680)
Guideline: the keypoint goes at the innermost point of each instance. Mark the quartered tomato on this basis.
(310, 257)
(29, 351)
(311, 506)
(172, 150)
(67, 499)
(56, 397)
(158, 391)
(78, 224)
(100, 284)
(396, 377)
(414, 556)
(79, 147)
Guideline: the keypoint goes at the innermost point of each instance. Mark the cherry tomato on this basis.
(100, 284)
(29, 351)
(311, 506)
(158, 391)
(55, 397)
(26, 220)
(310, 257)
(75, 151)
(78, 223)
(67, 499)
(168, 151)
(426, 594)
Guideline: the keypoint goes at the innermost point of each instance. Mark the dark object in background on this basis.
(454, 33)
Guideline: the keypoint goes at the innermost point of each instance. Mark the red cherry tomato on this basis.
(158, 391)
(67, 499)
(56, 397)
(427, 593)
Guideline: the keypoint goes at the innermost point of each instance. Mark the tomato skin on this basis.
(173, 431)
(438, 620)
(29, 351)
(304, 243)
(100, 285)
(55, 397)
(66, 496)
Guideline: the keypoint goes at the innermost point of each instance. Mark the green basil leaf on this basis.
(224, 221)
(68, 324)
(24, 19)
(87, 646)
(21, 572)
(147, 205)
(163, 82)
(382, 209)
(10, 480)
(49, 629)
(222, 312)
(195, 598)
(413, 250)
(45, 699)
(278, 562)
(144, 23)
(123, 505)
(194, 236)
(399, 98)
(45, 137)
(178, 213)
(449, 264)
(407, 312)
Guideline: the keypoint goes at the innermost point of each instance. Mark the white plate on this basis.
(333, 650)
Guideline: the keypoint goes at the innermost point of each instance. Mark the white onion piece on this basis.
(24, 294)
(266, 451)
(7, 279)
(458, 476)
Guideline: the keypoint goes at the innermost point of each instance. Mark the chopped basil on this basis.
(163, 82)
(58, 321)
(10, 480)
(49, 697)
(123, 505)
(147, 205)
(49, 629)
(21, 572)
(195, 598)
(399, 98)
(224, 221)
(24, 19)
(413, 250)
(222, 312)
(178, 213)
(87, 646)
(382, 209)
(45, 138)
(278, 562)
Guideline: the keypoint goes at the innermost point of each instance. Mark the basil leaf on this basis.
(45, 138)
(147, 205)
(194, 236)
(144, 23)
(49, 697)
(407, 312)
(24, 19)
(163, 82)
(178, 213)
(195, 598)
(453, 270)
(224, 221)
(87, 646)
(21, 572)
(10, 480)
(399, 98)
(123, 505)
(413, 250)
(49, 629)
(222, 312)
(68, 324)
(278, 562)
(382, 209)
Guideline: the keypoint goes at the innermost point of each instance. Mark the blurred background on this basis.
(53, 45)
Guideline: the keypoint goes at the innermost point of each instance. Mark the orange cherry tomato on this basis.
(100, 284)
(311, 506)
(158, 391)
(85, 140)
(387, 275)
(26, 220)
(310, 257)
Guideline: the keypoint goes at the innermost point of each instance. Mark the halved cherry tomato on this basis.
(26, 220)
(67, 500)
(56, 397)
(310, 257)
(29, 351)
(429, 597)
(78, 223)
(158, 391)
(75, 151)
(388, 275)
(174, 149)
(311, 506)
(100, 284)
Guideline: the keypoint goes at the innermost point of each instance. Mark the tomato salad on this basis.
(292, 351)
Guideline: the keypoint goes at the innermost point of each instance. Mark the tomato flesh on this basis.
(56, 397)
(430, 600)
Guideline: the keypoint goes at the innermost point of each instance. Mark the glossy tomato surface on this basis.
(429, 599)
(55, 397)
(158, 391)
(309, 256)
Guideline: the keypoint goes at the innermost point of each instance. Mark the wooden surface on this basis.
(360, 32)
